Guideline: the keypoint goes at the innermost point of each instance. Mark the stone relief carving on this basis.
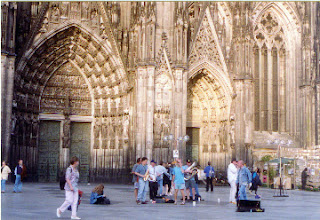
(205, 46)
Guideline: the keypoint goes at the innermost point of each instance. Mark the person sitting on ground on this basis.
(97, 196)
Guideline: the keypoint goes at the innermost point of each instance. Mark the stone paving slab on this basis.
(40, 200)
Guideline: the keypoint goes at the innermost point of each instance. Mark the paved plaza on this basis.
(39, 201)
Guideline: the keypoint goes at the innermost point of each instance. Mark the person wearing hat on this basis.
(153, 184)
(191, 182)
(232, 177)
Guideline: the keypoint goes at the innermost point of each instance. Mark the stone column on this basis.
(243, 117)
(7, 84)
(140, 97)
(184, 111)
(178, 108)
(149, 110)
(269, 89)
(317, 112)
(282, 91)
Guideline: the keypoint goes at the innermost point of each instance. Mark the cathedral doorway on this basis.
(65, 127)
(208, 123)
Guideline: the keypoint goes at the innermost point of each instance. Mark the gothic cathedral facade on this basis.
(108, 81)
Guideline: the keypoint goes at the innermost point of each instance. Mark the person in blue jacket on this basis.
(244, 179)
(97, 196)
(209, 171)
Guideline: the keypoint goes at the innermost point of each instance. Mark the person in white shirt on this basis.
(160, 170)
(232, 177)
(5, 170)
(153, 185)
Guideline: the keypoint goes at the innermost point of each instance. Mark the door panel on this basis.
(80, 147)
(48, 152)
(193, 144)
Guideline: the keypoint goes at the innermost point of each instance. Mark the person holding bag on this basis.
(71, 189)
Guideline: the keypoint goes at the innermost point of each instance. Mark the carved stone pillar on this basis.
(179, 107)
(184, 111)
(269, 89)
(141, 111)
(317, 112)
(243, 117)
(306, 111)
(149, 111)
(7, 82)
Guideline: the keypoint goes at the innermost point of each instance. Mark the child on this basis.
(97, 196)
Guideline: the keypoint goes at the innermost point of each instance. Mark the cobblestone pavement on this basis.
(40, 201)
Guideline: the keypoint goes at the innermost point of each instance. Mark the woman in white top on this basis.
(5, 170)
(71, 188)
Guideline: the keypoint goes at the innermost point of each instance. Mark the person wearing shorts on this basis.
(178, 181)
(190, 183)
(135, 178)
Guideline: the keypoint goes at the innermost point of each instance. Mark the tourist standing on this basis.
(20, 173)
(256, 182)
(71, 189)
(153, 185)
(191, 182)
(167, 177)
(244, 179)
(135, 179)
(141, 172)
(232, 177)
(5, 170)
(209, 171)
(178, 181)
(161, 171)
(304, 176)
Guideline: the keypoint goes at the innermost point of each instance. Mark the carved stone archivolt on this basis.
(207, 109)
(71, 70)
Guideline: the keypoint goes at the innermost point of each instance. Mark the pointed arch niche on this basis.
(271, 56)
(208, 109)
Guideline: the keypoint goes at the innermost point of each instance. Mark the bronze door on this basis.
(80, 147)
(192, 146)
(48, 151)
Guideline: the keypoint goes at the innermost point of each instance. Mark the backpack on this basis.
(211, 173)
(257, 180)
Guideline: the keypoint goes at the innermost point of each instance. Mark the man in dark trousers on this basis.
(304, 176)
(209, 171)
(153, 184)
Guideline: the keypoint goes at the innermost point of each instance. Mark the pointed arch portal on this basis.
(70, 77)
(208, 99)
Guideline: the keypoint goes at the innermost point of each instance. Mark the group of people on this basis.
(20, 171)
(155, 177)
(174, 175)
(239, 178)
